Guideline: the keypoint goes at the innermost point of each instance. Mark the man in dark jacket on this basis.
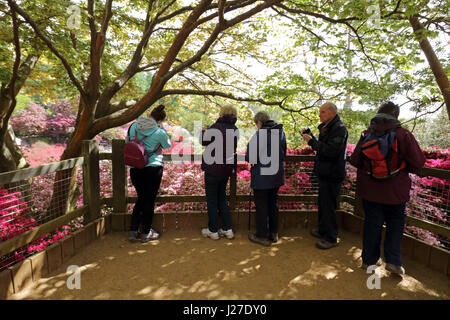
(218, 163)
(266, 152)
(385, 200)
(329, 167)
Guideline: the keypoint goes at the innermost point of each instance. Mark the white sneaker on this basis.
(208, 234)
(228, 233)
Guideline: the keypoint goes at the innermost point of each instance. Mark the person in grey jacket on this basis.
(266, 152)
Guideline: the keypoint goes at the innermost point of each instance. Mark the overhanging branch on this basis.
(213, 93)
(39, 33)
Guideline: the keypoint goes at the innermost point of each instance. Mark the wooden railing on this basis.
(91, 194)
(118, 202)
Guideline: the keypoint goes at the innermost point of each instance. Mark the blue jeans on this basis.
(375, 215)
(216, 199)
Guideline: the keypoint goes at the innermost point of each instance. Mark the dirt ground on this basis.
(184, 265)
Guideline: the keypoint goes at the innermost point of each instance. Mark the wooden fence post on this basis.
(119, 173)
(91, 179)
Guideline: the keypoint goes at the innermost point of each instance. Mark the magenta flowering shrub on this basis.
(31, 121)
(61, 120)
(182, 179)
(15, 219)
(12, 215)
(34, 120)
(430, 197)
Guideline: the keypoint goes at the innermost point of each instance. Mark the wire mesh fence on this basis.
(429, 196)
(179, 179)
(27, 204)
(430, 201)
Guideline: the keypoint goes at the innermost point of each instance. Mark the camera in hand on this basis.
(306, 131)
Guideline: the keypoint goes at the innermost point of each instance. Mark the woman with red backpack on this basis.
(146, 181)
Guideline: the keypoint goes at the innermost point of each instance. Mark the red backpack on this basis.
(380, 154)
(134, 153)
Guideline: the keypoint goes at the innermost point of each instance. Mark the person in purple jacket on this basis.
(385, 200)
(220, 140)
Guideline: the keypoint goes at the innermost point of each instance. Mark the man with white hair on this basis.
(330, 168)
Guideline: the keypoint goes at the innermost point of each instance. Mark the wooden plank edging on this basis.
(7, 277)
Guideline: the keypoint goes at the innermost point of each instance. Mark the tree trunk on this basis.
(65, 187)
(11, 157)
(435, 65)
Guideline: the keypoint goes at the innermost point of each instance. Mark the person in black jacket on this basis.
(218, 163)
(330, 168)
(266, 152)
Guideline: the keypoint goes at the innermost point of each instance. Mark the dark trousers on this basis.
(146, 181)
(266, 203)
(375, 216)
(216, 200)
(328, 192)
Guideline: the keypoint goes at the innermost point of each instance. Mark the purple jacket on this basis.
(225, 166)
(394, 190)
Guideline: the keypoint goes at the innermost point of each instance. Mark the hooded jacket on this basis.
(329, 164)
(156, 139)
(225, 166)
(267, 171)
(394, 190)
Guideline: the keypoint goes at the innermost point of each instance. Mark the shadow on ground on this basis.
(184, 265)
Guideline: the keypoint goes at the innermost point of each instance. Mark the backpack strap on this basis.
(136, 138)
(389, 153)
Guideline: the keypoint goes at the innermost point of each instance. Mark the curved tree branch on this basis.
(12, 83)
(55, 51)
(214, 93)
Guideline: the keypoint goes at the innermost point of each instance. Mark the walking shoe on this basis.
(365, 266)
(208, 234)
(315, 233)
(324, 244)
(261, 241)
(228, 233)
(395, 269)
(132, 236)
(273, 237)
(152, 235)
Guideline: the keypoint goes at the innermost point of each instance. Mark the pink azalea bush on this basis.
(61, 120)
(15, 219)
(34, 120)
(30, 121)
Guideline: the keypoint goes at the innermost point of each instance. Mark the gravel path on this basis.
(184, 265)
